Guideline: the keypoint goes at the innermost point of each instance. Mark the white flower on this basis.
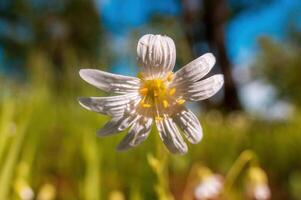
(209, 188)
(259, 191)
(257, 187)
(262, 192)
(157, 95)
(26, 193)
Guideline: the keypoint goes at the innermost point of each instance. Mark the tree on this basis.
(53, 27)
(280, 65)
(206, 25)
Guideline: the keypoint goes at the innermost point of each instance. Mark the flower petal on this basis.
(190, 125)
(204, 89)
(112, 106)
(171, 136)
(116, 125)
(156, 55)
(137, 134)
(194, 71)
(108, 82)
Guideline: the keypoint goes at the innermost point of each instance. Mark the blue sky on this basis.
(270, 20)
(120, 17)
(242, 33)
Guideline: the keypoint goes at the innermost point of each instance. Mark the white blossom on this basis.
(157, 95)
(262, 192)
(26, 193)
(257, 187)
(209, 188)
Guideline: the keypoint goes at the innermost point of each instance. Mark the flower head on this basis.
(210, 187)
(156, 95)
(257, 187)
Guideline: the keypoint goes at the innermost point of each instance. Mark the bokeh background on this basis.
(48, 146)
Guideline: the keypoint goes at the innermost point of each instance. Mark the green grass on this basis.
(48, 143)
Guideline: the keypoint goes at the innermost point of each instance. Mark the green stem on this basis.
(10, 162)
(6, 119)
(245, 157)
(92, 187)
(160, 167)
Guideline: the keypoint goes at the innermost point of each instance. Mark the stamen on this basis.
(180, 101)
(143, 91)
(165, 104)
(172, 91)
(156, 92)
(158, 83)
(170, 76)
(158, 118)
(146, 105)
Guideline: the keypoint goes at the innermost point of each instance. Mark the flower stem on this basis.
(8, 169)
(7, 115)
(245, 157)
(159, 165)
(92, 155)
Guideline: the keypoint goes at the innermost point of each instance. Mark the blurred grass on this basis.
(48, 144)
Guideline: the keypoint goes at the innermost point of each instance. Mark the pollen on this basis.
(180, 101)
(165, 103)
(172, 91)
(158, 118)
(170, 77)
(146, 105)
(157, 94)
(143, 91)
(154, 89)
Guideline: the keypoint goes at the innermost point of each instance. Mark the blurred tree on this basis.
(239, 6)
(280, 65)
(215, 16)
(56, 27)
(204, 21)
(204, 25)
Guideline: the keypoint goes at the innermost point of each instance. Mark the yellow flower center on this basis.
(157, 93)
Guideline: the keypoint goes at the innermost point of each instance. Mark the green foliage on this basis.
(49, 147)
(280, 65)
(55, 28)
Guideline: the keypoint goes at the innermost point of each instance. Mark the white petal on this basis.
(116, 125)
(137, 134)
(156, 55)
(112, 105)
(108, 82)
(195, 70)
(171, 136)
(190, 125)
(203, 89)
